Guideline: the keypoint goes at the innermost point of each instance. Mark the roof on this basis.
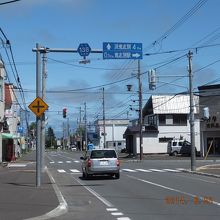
(135, 129)
(206, 87)
(169, 104)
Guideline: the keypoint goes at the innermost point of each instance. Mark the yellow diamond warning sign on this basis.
(38, 106)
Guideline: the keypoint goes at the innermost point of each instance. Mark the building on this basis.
(114, 130)
(210, 119)
(165, 117)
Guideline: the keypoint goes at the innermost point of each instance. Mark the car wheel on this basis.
(83, 175)
(117, 175)
(175, 153)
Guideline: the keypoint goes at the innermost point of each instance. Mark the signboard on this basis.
(38, 106)
(84, 50)
(116, 50)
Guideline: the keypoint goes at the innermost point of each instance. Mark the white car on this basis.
(101, 162)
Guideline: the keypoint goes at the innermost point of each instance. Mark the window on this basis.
(176, 119)
(103, 154)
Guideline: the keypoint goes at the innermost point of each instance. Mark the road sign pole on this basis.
(38, 120)
(43, 130)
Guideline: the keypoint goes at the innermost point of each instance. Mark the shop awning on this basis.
(9, 136)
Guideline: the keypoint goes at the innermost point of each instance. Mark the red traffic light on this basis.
(64, 112)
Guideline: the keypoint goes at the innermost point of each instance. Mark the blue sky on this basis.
(67, 23)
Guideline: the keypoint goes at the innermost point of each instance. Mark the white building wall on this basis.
(151, 142)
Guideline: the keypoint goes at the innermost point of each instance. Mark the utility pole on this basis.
(43, 130)
(68, 132)
(103, 103)
(80, 131)
(140, 110)
(38, 119)
(85, 126)
(192, 117)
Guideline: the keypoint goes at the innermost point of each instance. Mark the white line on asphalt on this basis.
(129, 170)
(61, 171)
(60, 161)
(172, 189)
(123, 218)
(75, 171)
(60, 209)
(156, 170)
(102, 199)
(170, 170)
(76, 161)
(68, 161)
(146, 171)
(17, 165)
(117, 213)
(111, 209)
(52, 162)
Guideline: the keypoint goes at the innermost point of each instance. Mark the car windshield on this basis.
(103, 154)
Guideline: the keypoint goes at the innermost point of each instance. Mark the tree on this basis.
(50, 138)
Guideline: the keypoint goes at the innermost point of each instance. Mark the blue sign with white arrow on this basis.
(84, 50)
(114, 50)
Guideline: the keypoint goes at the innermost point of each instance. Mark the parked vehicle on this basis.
(174, 146)
(186, 149)
(100, 162)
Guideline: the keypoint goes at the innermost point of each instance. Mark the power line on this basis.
(8, 2)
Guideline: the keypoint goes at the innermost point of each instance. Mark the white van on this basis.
(174, 146)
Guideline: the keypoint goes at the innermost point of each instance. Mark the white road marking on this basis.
(75, 171)
(172, 189)
(170, 170)
(123, 218)
(76, 161)
(142, 170)
(61, 171)
(68, 161)
(129, 170)
(102, 199)
(52, 162)
(156, 170)
(17, 165)
(112, 209)
(60, 161)
(117, 213)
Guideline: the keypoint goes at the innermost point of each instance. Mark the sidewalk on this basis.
(20, 198)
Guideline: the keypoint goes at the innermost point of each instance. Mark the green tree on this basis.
(50, 138)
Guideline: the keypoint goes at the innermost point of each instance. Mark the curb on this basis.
(201, 173)
(61, 209)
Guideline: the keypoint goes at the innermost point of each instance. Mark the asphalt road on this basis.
(151, 189)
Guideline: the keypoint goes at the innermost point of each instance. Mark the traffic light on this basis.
(152, 79)
(64, 112)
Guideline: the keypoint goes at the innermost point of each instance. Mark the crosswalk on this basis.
(64, 162)
(177, 170)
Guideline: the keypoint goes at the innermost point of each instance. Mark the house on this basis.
(114, 130)
(9, 139)
(164, 117)
(2, 105)
(210, 119)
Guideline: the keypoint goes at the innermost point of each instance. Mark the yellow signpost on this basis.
(38, 106)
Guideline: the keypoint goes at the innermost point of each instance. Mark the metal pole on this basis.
(80, 118)
(86, 143)
(38, 120)
(44, 76)
(140, 110)
(68, 132)
(192, 119)
(103, 90)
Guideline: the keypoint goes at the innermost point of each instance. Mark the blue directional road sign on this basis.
(84, 50)
(113, 50)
